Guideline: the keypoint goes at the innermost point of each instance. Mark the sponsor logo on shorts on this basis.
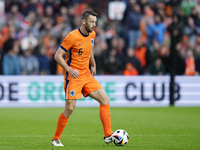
(72, 92)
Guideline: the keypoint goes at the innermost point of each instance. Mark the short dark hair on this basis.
(86, 14)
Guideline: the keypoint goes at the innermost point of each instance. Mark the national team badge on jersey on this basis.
(92, 42)
(72, 92)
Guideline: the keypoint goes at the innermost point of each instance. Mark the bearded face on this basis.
(90, 23)
(88, 28)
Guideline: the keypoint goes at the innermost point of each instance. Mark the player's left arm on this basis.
(93, 64)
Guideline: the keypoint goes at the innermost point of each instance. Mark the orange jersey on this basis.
(78, 48)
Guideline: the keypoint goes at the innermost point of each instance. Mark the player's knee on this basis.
(70, 109)
(105, 100)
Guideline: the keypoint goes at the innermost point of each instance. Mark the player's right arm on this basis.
(60, 60)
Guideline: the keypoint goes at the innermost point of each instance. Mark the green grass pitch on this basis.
(163, 128)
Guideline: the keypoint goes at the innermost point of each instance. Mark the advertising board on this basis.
(131, 91)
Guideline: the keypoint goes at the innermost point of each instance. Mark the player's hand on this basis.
(93, 71)
(73, 73)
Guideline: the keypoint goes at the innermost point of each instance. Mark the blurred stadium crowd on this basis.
(139, 44)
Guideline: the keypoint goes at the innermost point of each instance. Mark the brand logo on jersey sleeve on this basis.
(72, 92)
(92, 42)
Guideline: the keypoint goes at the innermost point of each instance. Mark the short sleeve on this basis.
(68, 42)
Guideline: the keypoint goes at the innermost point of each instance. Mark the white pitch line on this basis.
(87, 135)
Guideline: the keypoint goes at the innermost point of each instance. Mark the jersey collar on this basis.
(82, 33)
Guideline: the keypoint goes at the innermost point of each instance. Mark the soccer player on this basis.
(78, 78)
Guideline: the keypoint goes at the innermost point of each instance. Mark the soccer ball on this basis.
(120, 137)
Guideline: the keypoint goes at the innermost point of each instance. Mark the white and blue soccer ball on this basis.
(120, 137)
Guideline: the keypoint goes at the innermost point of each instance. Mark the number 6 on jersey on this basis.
(80, 52)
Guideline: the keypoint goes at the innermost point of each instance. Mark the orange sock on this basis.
(104, 113)
(62, 121)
